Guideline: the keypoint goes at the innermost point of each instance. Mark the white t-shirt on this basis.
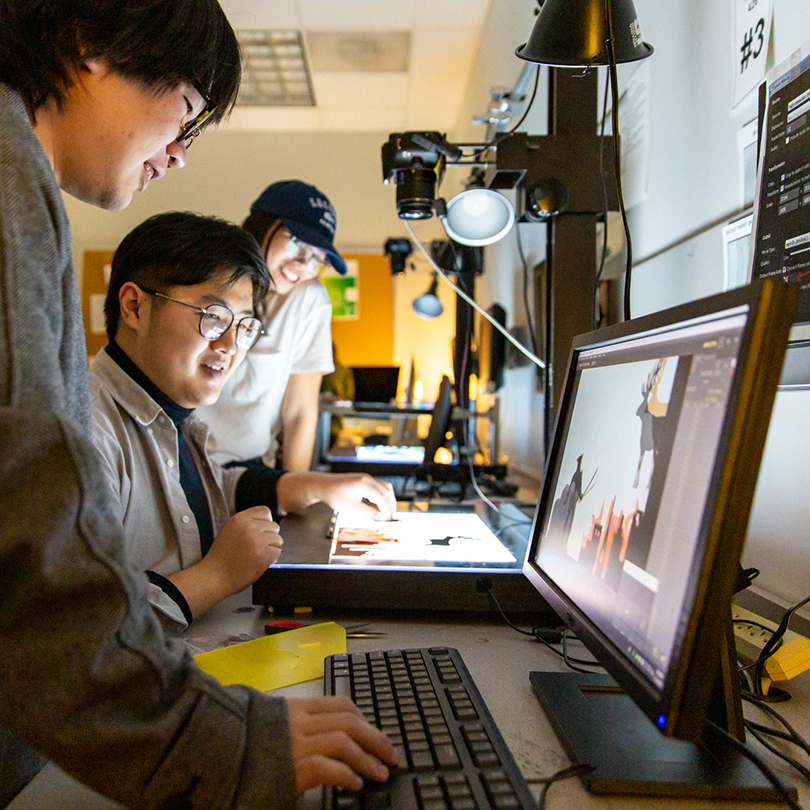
(246, 420)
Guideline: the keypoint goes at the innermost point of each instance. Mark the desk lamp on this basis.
(561, 178)
(586, 34)
(427, 305)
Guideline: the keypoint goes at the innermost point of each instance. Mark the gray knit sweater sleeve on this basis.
(86, 676)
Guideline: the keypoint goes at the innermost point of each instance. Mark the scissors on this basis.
(352, 631)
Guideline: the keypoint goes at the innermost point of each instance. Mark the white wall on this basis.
(693, 183)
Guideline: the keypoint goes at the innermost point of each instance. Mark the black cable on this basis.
(760, 764)
(761, 659)
(502, 529)
(797, 766)
(526, 307)
(771, 644)
(566, 773)
(568, 659)
(771, 732)
(614, 92)
(753, 624)
(794, 735)
(499, 137)
(536, 632)
(601, 267)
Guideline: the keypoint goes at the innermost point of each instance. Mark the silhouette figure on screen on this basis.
(651, 411)
(562, 515)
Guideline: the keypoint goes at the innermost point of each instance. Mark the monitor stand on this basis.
(600, 725)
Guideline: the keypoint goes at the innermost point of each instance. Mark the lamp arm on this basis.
(519, 346)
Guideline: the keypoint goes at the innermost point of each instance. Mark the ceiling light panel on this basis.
(274, 70)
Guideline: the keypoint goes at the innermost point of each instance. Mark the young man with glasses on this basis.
(98, 98)
(201, 532)
(268, 411)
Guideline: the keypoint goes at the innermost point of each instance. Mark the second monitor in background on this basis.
(375, 384)
(440, 421)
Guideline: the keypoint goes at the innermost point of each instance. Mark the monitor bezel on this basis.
(690, 681)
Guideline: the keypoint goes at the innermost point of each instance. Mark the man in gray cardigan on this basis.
(100, 97)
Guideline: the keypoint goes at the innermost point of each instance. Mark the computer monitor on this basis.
(440, 421)
(638, 533)
(376, 384)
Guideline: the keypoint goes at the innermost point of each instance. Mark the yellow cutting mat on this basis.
(278, 660)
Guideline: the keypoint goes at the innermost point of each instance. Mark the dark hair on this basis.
(260, 223)
(181, 249)
(159, 43)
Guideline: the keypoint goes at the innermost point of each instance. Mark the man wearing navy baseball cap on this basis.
(268, 411)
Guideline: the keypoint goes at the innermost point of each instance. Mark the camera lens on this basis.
(415, 192)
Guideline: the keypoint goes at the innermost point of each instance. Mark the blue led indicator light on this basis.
(662, 721)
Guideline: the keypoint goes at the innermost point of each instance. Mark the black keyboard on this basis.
(452, 756)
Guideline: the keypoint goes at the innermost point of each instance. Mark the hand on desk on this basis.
(333, 744)
(356, 491)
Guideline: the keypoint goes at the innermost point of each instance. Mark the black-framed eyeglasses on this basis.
(190, 130)
(217, 319)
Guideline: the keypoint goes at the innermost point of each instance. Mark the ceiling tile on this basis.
(360, 89)
(262, 14)
(432, 14)
(356, 14)
(273, 118)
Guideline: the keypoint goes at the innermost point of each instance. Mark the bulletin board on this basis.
(95, 277)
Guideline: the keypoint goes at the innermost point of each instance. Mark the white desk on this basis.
(500, 661)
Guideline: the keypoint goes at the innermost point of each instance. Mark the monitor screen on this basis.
(440, 420)
(640, 523)
(375, 383)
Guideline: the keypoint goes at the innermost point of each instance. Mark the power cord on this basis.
(790, 735)
(548, 636)
(759, 763)
(755, 730)
(768, 650)
(461, 294)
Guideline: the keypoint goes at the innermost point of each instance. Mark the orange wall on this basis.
(369, 341)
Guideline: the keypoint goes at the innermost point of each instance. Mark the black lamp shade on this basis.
(573, 33)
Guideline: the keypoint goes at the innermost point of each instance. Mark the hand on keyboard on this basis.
(333, 744)
(452, 756)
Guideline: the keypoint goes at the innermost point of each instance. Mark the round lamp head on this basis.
(573, 33)
(478, 216)
(427, 306)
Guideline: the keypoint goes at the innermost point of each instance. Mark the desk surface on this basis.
(500, 661)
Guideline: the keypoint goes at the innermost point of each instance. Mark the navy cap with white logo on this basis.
(306, 213)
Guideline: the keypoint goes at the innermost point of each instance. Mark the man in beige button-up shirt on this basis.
(180, 319)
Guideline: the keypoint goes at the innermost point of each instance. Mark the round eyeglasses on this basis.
(190, 130)
(297, 251)
(217, 319)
